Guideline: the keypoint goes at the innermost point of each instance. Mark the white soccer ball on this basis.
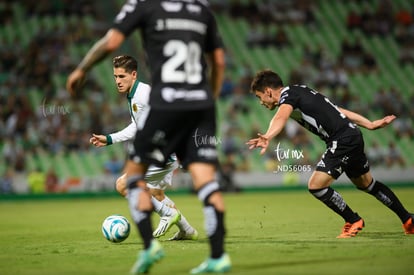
(116, 228)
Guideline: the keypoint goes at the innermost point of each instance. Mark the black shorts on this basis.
(190, 134)
(345, 155)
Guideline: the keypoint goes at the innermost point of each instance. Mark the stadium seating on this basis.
(331, 18)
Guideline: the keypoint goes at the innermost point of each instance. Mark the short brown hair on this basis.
(126, 62)
(264, 79)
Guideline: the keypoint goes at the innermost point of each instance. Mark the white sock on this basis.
(168, 202)
(182, 224)
(161, 208)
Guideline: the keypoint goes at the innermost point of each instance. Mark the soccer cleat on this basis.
(220, 265)
(148, 257)
(182, 235)
(409, 225)
(165, 224)
(351, 229)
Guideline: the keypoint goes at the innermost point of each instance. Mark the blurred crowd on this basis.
(382, 22)
(320, 68)
(37, 115)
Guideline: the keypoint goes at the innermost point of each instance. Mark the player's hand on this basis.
(262, 141)
(98, 140)
(75, 81)
(380, 123)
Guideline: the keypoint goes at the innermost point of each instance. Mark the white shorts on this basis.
(160, 177)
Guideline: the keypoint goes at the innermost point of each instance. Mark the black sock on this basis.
(145, 229)
(334, 200)
(214, 220)
(217, 238)
(388, 198)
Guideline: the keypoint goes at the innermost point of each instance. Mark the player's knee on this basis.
(121, 186)
(312, 185)
(206, 191)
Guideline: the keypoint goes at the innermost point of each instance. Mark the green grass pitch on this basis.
(286, 232)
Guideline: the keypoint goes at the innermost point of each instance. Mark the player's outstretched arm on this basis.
(98, 140)
(275, 127)
(365, 122)
(380, 123)
(101, 49)
(260, 142)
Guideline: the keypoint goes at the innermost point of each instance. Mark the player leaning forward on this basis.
(158, 178)
(345, 146)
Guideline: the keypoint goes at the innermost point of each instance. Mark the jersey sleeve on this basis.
(289, 96)
(213, 37)
(125, 134)
(129, 17)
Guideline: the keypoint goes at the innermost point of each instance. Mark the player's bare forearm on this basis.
(365, 122)
(101, 49)
(275, 127)
(262, 141)
(97, 53)
(76, 79)
(278, 121)
(380, 123)
(217, 71)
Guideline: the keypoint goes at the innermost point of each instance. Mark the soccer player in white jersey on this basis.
(158, 178)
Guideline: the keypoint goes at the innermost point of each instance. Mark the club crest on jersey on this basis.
(134, 107)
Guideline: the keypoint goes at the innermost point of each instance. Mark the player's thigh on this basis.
(162, 133)
(201, 173)
(200, 146)
(358, 169)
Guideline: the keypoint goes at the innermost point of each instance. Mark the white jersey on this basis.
(138, 105)
(138, 102)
